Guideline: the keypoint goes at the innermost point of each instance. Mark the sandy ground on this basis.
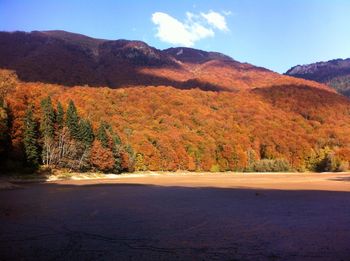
(284, 181)
(179, 217)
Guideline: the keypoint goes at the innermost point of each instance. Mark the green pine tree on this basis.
(115, 137)
(47, 124)
(102, 135)
(132, 156)
(60, 116)
(86, 134)
(30, 138)
(72, 120)
(117, 148)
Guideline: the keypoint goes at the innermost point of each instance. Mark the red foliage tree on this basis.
(101, 158)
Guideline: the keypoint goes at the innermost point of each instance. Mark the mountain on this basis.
(178, 108)
(73, 59)
(335, 73)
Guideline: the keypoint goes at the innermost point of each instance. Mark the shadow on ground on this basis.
(146, 222)
(346, 178)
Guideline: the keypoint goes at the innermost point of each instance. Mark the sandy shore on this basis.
(283, 181)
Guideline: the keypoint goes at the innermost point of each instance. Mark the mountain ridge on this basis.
(335, 73)
(73, 59)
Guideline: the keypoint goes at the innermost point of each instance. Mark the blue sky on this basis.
(275, 34)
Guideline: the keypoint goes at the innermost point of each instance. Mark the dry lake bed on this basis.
(179, 217)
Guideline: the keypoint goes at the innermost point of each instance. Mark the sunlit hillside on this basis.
(298, 126)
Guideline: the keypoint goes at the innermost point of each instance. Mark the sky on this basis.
(276, 34)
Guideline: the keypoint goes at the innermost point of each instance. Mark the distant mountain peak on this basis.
(335, 73)
(318, 66)
(190, 55)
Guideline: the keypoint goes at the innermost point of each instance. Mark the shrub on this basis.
(333, 163)
(215, 168)
(269, 165)
(343, 166)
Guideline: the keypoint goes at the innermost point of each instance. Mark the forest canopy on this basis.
(280, 128)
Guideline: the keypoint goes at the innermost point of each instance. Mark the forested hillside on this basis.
(277, 128)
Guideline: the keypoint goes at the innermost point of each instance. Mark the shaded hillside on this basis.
(171, 129)
(73, 59)
(335, 73)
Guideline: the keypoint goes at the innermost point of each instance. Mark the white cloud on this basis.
(171, 30)
(216, 20)
(194, 28)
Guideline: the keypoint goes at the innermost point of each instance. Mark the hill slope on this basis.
(170, 129)
(73, 59)
(335, 73)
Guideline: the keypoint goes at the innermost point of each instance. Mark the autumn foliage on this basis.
(101, 158)
(295, 127)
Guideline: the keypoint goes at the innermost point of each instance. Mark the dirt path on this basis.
(179, 217)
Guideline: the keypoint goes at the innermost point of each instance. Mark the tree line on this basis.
(65, 140)
(59, 139)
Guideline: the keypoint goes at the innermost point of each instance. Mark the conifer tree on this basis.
(86, 134)
(115, 137)
(47, 124)
(102, 135)
(30, 138)
(116, 149)
(47, 129)
(60, 116)
(72, 120)
(60, 133)
(131, 157)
